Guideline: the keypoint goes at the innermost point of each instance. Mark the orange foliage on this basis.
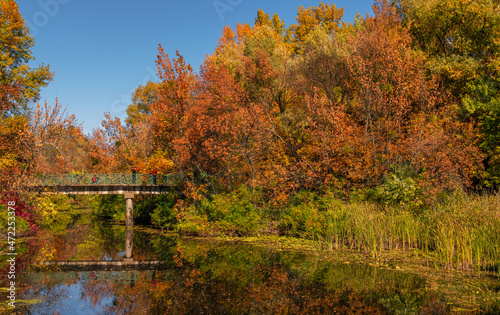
(53, 142)
(175, 98)
(344, 111)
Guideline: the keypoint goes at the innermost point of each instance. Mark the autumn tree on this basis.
(325, 15)
(118, 147)
(276, 22)
(221, 126)
(101, 158)
(351, 108)
(52, 141)
(461, 40)
(19, 84)
(174, 99)
(10, 157)
(142, 99)
(370, 95)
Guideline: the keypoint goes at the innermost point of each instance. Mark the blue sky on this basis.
(101, 50)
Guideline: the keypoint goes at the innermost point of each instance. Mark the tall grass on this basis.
(460, 232)
(366, 227)
(467, 231)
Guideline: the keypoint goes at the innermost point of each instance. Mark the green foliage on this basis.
(482, 101)
(459, 27)
(464, 231)
(398, 189)
(459, 232)
(193, 223)
(22, 225)
(461, 39)
(142, 99)
(303, 215)
(357, 225)
(111, 206)
(233, 213)
(157, 209)
(300, 219)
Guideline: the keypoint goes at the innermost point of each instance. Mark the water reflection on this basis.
(128, 242)
(186, 276)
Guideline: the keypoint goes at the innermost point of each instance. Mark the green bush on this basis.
(399, 188)
(234, 214)
(304, 217)
(111, 206)
(162, 213)
(300, 220)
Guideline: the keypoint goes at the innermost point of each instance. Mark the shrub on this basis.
(399, 189)
(111, 206)
(232, 213)
(22, 225)
(162, 213)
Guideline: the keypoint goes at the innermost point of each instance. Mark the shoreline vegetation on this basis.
(460, 232)
(457, 286)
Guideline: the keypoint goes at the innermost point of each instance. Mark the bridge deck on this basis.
(104, 179)
(102, 189)
(86, 184)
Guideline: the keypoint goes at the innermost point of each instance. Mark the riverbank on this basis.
(452, 290)
(457, 232)
(451, 247)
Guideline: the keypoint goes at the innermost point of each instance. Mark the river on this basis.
(85, 270)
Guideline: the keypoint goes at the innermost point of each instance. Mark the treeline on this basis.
(403, 101)
(363, 135)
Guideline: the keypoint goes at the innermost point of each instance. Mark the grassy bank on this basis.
(461, 232)
(457, 232)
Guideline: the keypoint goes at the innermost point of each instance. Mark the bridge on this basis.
(103, 184)
(125, 270)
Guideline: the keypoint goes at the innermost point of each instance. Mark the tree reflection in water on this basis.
(215, 278)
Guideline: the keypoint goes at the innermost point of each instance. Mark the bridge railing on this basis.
(104, 179)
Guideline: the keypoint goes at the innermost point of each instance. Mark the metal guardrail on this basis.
(104, 179)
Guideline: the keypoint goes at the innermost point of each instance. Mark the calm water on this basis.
(173, 275)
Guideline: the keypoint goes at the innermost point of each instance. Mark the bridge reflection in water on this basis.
(126, 270)
(131, 277)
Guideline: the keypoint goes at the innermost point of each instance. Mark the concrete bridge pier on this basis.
(130, 209)
(130, 223)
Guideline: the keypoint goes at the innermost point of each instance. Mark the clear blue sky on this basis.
(101, 50)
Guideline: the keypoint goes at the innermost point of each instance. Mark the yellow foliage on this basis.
(46, 208)
(161, 162)
(325, 15)
(46, 253)
(8, 160)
